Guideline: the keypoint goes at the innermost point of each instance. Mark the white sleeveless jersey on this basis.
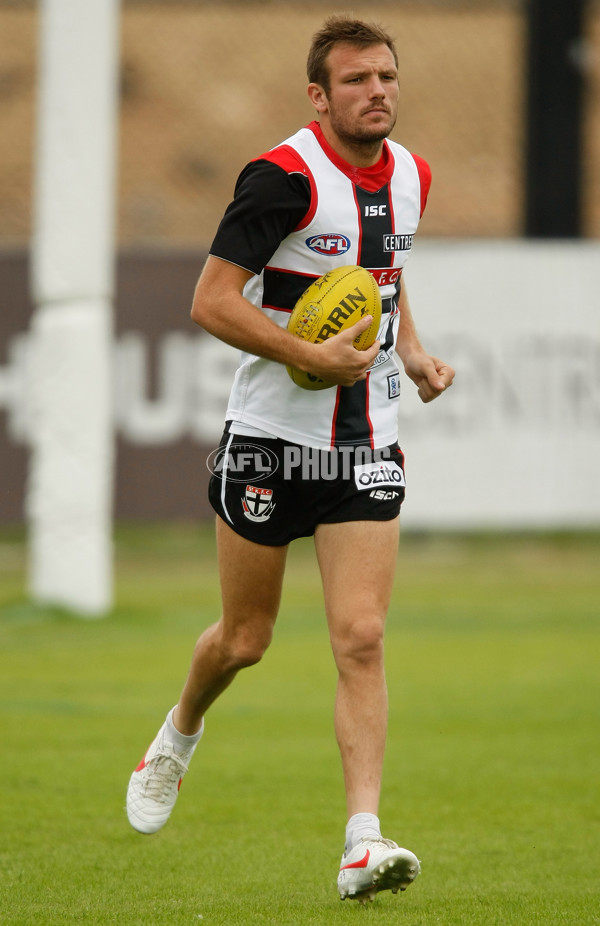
(365, 217)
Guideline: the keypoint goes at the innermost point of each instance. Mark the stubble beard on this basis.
(365, 141)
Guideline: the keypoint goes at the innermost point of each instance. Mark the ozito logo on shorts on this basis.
(239, 462)
(378, 474)
(331, 244)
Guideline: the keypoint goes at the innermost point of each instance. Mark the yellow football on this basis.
(331, 304)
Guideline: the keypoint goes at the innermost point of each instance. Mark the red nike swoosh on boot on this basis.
(361, 864)
(141, 765)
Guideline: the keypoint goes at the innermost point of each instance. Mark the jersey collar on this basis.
(367, 178)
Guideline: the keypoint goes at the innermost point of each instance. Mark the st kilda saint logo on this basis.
(258, 503)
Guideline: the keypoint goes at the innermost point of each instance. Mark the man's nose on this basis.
(376, 87)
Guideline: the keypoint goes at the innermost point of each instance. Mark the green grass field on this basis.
(492, 769)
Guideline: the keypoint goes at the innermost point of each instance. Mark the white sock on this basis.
(361, 824)
(180, 739)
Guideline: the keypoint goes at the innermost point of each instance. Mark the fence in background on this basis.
(207, 85)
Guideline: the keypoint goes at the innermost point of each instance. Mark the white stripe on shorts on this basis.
(224, 477)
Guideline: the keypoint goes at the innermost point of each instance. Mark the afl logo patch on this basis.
(331, 244)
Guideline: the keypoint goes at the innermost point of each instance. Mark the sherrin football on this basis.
(331, 304)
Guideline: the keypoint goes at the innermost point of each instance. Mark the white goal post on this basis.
(69, 493)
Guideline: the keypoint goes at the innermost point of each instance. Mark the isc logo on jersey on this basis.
(331, 245)
(379, 474)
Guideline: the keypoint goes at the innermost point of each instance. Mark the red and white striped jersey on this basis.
(300, 210)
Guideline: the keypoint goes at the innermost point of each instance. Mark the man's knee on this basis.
(359, 643)
(245, 646)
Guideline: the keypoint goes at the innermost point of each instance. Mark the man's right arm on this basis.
(220, 308)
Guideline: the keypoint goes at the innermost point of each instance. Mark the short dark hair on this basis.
(339, 29)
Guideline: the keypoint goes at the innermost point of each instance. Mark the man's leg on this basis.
(251, 578)
(357, 561)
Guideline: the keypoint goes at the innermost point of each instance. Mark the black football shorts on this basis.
(271, 492)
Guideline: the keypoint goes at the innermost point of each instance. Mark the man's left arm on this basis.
(430, 374)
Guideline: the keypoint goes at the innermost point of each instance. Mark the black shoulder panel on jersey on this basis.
(268, 204)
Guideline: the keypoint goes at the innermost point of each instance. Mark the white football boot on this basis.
(155, 784)
(375, 865)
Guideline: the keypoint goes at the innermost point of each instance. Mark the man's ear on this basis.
(318, 98)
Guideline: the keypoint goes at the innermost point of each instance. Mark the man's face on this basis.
(362, 100)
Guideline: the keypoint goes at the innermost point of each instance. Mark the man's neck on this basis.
(358, 154)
